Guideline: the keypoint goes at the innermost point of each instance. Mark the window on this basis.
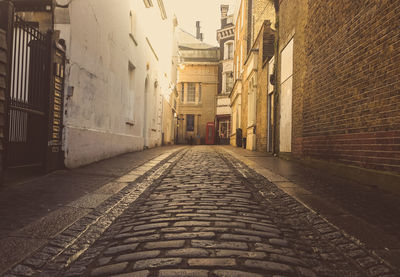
(190, 122)
(191, 96)
(132, 31)
(229, 51)
(148, 3)
(252, 103)
(162, 9)
(199, 93)
(131, 94)
(132, 17)
(229, 81)
(183, 93)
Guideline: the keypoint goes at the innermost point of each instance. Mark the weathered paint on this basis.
(112, 50)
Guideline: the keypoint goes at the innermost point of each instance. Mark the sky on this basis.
(206, 11)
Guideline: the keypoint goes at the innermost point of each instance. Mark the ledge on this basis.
(387, 181)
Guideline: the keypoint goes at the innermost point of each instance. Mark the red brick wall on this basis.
(351, 99)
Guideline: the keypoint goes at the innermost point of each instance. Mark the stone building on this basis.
(240, 19)
(253, 64)
(338, 81)
(111, 85)
(225, 37)
(197, 87)
(260, 50)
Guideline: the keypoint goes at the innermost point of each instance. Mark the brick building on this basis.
(254, 49)
(260, 50)
(339, 81)
(197, 87)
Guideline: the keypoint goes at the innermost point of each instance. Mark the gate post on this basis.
(6, 35)
(54, 154)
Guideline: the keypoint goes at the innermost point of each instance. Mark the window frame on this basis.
(190, 128)
(148, 3)
(182, 92)
(191, 93)
(200, 93)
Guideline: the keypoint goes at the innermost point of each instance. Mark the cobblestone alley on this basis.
(201, 212)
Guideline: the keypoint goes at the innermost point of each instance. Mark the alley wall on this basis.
(349, 98)
(3, 81)
(117, 74)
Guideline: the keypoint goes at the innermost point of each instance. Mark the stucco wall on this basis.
(107, 113)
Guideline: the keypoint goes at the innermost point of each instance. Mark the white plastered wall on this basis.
(285, 132)
(104, 115)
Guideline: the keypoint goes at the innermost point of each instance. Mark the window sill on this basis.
(130, 123)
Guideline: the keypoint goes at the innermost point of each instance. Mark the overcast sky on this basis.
(206, 11)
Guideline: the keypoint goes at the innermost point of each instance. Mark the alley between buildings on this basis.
(202, 211)
(200, 138)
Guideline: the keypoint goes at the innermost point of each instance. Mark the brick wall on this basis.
(262, 10)
(292, 23)
(351, 98)
(3, 71)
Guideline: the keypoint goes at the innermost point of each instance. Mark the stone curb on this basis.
(66, 247)
(350, 247)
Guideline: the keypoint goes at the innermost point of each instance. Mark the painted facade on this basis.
(260, 43)
(240, 19)
(225, 36)
(118, 74)
(197, 87)
(250, 101)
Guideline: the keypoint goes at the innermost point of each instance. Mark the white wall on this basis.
(105, 114)
(223, 106)
(285, 133)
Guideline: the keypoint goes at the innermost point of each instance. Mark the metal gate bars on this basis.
(28, 95)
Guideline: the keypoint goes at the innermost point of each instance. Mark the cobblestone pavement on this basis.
(204, 213)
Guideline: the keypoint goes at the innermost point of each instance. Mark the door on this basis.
(270, 106)
(210, 133)
(285, 132)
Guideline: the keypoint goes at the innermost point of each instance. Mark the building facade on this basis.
(260, 50)
(254, 50)
(107, 91)
(345, 105)
(240, 19)
(197, 87)
(225, 37)
(118, 71)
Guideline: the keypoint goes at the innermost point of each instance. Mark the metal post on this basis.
(6, 24)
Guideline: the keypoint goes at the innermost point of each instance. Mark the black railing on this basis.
(28, 94)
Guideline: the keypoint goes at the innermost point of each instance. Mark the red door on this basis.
(210, 133)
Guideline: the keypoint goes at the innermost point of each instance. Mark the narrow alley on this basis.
(200, 211)
(200, 138)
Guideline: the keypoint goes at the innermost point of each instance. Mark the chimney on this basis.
(224, 10)
(199, 35)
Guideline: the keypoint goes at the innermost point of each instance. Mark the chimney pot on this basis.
(198, 34)
(224, 10)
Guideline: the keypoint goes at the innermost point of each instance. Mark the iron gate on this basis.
(28, 97)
